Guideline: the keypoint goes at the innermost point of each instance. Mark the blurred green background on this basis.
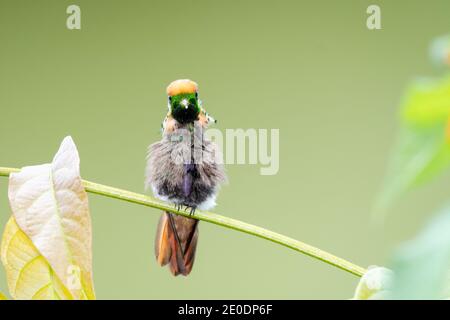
(310, 68)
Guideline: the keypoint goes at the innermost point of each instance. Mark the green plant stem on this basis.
(218, 220)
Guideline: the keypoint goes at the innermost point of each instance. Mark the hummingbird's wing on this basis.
(205, 118)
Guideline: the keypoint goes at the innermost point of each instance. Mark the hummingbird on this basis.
(182, 169)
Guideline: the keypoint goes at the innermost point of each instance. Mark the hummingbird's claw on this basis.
(179, 207)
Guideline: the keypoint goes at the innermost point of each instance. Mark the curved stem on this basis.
(217, 219)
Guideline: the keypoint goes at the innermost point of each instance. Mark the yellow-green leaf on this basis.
(50, 209)
(427, 103)
(28, 273)
(3, 297)
(422, 150)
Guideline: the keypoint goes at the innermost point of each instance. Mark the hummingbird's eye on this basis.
(170, 99)
(192, 103)
(196, 95)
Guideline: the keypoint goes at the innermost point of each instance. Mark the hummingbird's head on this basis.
(183, 100)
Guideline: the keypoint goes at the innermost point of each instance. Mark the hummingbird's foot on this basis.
(178, 206)
(191, 210)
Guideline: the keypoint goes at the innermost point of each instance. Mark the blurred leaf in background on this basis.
(422, 265)
(2, 296)
(440, 51)
(423, 148)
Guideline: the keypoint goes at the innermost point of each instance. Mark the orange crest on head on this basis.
(181, 86)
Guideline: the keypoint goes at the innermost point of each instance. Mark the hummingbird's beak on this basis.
(184, 103)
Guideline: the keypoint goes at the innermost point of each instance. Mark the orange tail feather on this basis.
(176, 243)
